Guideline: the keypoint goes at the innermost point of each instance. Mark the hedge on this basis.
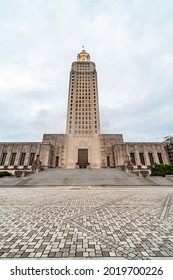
(5, 173)
(161, 169)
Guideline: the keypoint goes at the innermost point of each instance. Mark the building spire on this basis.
(83, 55)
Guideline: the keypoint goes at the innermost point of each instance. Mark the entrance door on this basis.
(83, 158)
(108, 161)
(57, 161)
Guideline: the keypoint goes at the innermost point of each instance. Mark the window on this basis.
(132, 158)
(151, 158)
(13, 157)
(3, 158)
(141, 156)
(32, 156)
(22, 159)
(160, 157)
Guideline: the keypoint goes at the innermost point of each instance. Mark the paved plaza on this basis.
(86, 222)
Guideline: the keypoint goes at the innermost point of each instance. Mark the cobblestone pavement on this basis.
(85, 222)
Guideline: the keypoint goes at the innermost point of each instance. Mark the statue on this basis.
(128, 164)
(36, 166)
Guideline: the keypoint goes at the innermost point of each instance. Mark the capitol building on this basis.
(82, 146)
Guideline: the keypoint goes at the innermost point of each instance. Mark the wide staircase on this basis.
(85, 177)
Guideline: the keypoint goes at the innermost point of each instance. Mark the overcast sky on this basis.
(131, 42)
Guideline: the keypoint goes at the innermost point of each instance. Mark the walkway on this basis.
(86, 222)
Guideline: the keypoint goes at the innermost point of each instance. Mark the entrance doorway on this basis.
(83, 158)
(108, 161)
(57, 161)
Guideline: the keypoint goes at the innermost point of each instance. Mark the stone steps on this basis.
(85, 177)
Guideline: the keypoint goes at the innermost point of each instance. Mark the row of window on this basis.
(83, 96)
(82, 82)
(83, 127)
(88, 109)
(82, 107)
(83, 63)
(86, 101)
(86, 95)
(83, 122)
(84, 79)
(79, 86)
(13, 159)
(83, 113)
(142, 159)
(83, 92)
(84, 131)
(83, 74)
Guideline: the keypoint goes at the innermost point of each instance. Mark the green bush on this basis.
(161, 169)
(5, 173)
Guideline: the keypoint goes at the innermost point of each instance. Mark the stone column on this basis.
(136, 150)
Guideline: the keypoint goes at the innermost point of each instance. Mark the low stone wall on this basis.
(21, 173)
(169, 177)
(142, 173)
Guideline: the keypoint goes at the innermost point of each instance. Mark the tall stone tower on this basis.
(83, 122)
(83, 109)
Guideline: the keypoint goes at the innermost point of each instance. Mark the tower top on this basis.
(83, 56)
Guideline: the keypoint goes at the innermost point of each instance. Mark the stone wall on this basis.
(61, 150)
(89, 142)
(152, 148)
(107, 143)
(58, 144)
(11, 154)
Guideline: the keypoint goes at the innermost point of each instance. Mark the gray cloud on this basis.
(130, 42)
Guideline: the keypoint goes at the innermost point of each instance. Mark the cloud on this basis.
(130, 42)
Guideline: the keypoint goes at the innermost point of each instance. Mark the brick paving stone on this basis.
(85, 254)
(25, 255)
(79, 254)
(51, 255)
(112, 254)
(38, 255)
(110, 222)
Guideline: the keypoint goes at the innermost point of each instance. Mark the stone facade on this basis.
(142, 155)
(16, 155)
(58, 144)
(169, 147)
(61, 151)
(82, 146)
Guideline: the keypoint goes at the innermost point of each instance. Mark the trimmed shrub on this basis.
(5, 173)
(161, 169)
